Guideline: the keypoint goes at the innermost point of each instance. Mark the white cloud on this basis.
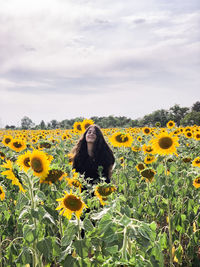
(56, 50)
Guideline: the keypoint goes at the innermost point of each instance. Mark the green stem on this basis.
(79, 229)
(1, 257)
(125, 240)
(60, 227)
(169, 219)
(36, 254)
(170, 234)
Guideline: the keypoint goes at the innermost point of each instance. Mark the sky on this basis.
(62, 59)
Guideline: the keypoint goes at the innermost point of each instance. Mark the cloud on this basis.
(90, 49)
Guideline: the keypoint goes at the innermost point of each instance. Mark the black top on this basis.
(89, 167)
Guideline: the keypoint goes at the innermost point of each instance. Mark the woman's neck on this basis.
(90, 149)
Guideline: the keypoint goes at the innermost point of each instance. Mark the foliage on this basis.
(143, 223)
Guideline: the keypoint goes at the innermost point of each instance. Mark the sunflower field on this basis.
(149, 215)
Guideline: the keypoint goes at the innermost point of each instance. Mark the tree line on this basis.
(182, 116)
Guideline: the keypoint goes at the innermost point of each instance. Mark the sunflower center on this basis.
(79, 127)
(45, 145)
(197, 181)
(54, 175)
(1, 191)
(2, 154)
(149, 149)
(198, 161)
(149, 174)
(87, 125)
(165, 142)
(186, 159)
(198, 136)
(105, 191)
(146, 130)
(36, 164)
(72, 203)
(189, 134)
(76, 183)
(17, 144)
(27, 162)
(121, 138)
(141, 166)
(7, 140)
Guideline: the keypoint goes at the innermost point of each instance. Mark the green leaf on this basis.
(153, 226)
(41, 196)
(160, 169)
(87, 224)
(183, 217)
(114, 249)
(45, 247)
(69, 261)
(69, 234)
(29, 233)
(25, 257)
(163, 241)
(47, 217)
(125, 220)
(81, 248)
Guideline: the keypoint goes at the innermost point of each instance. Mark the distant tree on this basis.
(177, 113)
(54, 124)
(42, 125)
(196, 106)
(26, 123)
(191, 119)
(160, 115)
(10, 127)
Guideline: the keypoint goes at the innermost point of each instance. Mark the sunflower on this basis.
(44, 145)
(24, 161)
(136, 148)
(39, 163)
(103, 191)
(86, 123)
(66, 136)
(9, 173)
(2, 155)
(70, 204)
(7, 139)
(197, 136)
(149, 159)
(34, 139)
(196, 182)
(188, 134)
(139, 138)
(121, 139)
(140, 166)
(53, 176)
(186, 160)
(170, 124)
(146, 130)
(148, 174)
(74, 182)
(78, 127)
(17, 145)
(196, 162)
(2, 193)
(147, 149)
(164, 143)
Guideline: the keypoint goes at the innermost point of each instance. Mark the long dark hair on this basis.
(101, 150)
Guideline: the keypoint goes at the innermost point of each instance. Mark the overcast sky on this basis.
(61, 59)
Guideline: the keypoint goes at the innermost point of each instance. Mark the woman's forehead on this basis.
(92, 128)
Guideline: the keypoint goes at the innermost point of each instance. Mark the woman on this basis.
(90, 153)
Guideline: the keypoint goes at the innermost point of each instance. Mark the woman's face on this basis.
(91, 135)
